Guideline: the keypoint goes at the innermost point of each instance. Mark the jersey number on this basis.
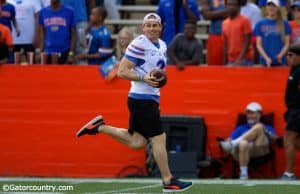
(161, 64)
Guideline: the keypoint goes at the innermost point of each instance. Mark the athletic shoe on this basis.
(176, 185)
(285, 177)
(226, 146)
(91, 128)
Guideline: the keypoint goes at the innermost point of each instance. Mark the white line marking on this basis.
(127, 189)
(150, 181)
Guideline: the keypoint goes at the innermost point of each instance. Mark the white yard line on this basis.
(127, 189)
(149, 181)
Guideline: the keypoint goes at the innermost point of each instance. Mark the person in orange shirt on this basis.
(6, 43)
(237, 37)
(215, 11)
(295, 24)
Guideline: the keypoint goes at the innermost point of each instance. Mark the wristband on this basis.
(141, 78)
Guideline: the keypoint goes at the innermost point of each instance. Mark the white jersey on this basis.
(25, 16)
(146, 56)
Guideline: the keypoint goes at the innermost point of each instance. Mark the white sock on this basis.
(244, 170)
(236, 141)
(289, 174)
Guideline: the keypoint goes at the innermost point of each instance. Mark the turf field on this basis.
(146, 186)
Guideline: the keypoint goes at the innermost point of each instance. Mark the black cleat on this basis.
(176, 185)
(91, 128)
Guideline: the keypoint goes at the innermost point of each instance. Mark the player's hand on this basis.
(150, 80)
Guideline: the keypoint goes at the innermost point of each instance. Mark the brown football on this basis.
(160, 76)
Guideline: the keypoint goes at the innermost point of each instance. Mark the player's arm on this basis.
(213, 15)
(125, 72)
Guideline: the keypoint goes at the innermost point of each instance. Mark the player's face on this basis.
(152, 30)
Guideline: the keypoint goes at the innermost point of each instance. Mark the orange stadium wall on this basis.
(41, 107)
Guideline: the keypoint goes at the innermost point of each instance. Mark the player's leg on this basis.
(160, 155)
(135, 140)
(97, 125)
(170, 184)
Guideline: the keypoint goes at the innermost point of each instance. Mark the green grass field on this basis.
(146, 186)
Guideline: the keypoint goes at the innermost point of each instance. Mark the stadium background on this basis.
(41, 107)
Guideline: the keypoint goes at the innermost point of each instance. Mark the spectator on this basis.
(98, 38)
(295, 24)
(216, 12)
(251, 11)
(292, 116)
(57, 29)
(283, 4)
(112, 7)
(125, 36)
(272, 36)
(27, 19)
(237, 37)
(8, 16)
(185, 49)
(81, 19)
(6, 43)
(173, 14)
(249, 140)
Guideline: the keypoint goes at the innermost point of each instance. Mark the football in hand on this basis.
(160, 76)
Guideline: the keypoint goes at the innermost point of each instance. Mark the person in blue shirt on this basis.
(272, 36)
(249, 140)
(81, 18)
(174, 13)
(57, 27)
(8, 16)
(98, 39)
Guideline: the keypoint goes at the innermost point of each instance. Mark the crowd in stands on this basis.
(241, 32)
